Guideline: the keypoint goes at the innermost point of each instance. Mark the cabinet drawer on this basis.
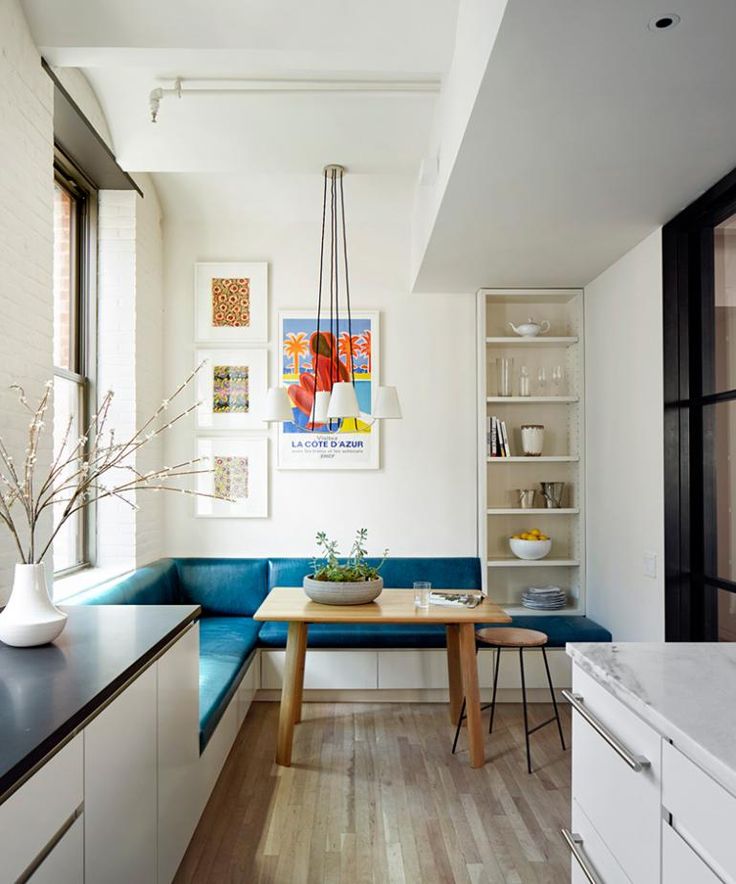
(622, 803)
(703, 812)
(65, 863)
(680, 864)
(324, 670)
(412, 669)
(594, 852)
(33, 815)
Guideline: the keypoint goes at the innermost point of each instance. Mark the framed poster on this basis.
(231, 302)
(354, 444)
(231, 387)
(239, 470)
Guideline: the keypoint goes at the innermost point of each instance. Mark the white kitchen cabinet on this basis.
(680, 863)
(621, 801)
(588, 849)
(324, 669)
(178, 750)
(120, 787)
(65, 863)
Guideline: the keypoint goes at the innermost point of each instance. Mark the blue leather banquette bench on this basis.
(231, 590)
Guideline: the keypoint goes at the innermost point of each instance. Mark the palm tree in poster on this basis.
(364, 347)
(348, 347)
(295, 346)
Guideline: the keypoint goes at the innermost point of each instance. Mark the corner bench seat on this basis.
(231, 590)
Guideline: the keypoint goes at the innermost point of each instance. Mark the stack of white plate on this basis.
(544, 598)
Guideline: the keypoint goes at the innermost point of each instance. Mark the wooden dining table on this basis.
(291, 605)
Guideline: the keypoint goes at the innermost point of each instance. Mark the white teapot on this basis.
(530, 328)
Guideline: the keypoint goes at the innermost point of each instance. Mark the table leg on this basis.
(291, 691)
(454, 671)
(469, 666)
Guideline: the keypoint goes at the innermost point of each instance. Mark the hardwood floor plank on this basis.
(374, 796)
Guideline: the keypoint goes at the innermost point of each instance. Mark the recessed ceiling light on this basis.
(664, 22)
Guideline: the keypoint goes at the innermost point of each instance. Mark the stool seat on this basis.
(511, 637)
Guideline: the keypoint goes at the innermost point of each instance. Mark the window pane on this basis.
(726, 612)
(68, 543)
(64, 279)
(719, 422)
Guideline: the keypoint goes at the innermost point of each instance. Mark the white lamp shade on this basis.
(387, 404)
(321, 406)
(278, 406)
(343, 401)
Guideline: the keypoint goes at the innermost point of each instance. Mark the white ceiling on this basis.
(588, 132)
(126, 48)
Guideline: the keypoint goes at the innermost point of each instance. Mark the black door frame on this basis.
(689, 474)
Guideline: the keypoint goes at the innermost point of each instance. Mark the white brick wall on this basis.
(26, 237)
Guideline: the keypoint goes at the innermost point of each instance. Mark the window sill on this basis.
(66, 587)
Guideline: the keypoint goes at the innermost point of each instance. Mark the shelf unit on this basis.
(562, 414)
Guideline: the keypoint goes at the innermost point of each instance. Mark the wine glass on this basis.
(542, 380)
(557, 377)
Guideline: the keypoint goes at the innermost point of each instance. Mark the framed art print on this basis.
(231, 302)
(231, 389)
(238, 469)
(354, 443)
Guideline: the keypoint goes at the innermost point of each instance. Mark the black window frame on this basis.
(85, 196)
(691, 579)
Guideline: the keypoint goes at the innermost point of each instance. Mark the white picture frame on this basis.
(244, 475)
(234, 315)
(227, 378)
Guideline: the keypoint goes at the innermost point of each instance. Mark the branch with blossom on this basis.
(93, 467)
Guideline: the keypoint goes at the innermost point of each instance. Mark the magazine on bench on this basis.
(455, 599)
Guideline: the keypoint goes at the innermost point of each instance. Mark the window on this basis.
(73, 344)
(700, 417)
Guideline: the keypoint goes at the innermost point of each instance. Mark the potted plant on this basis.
(353, 582)
(93, 466)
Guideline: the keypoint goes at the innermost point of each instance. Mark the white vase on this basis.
(30, 617)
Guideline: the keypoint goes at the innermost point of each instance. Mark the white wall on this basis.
(423, 499)
(625, 443)
(26, 236)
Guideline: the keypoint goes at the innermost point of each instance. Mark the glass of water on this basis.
(421, 594)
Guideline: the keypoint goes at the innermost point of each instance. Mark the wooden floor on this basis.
(374, 795)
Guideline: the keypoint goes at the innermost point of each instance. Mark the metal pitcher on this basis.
(526, 498)
(552, 493)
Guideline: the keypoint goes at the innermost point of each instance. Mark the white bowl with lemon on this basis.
(530, 545)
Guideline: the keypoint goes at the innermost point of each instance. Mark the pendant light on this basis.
(333, 381)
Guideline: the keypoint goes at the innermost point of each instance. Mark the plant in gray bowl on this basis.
(353, 582)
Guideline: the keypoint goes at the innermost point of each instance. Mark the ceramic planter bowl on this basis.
(327, 593)
(530, 549)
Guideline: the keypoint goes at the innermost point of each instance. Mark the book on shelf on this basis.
(497, 438)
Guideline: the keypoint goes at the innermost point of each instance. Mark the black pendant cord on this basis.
(315, 366)
(333, 288)
(347, 289)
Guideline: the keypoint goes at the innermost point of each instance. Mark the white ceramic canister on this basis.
(532, 439)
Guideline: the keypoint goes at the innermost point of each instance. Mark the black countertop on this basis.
(46, 693)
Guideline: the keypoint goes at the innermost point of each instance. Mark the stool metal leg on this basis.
(497, 663)
(459, 726)
(526, 716)
(554, 701)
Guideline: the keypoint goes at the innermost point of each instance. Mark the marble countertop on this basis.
(47, 693)
(686, 691)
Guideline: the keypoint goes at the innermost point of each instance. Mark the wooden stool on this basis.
(511, 638)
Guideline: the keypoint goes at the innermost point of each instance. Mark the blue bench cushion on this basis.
(444, 573)
(225, 643)
(352, 635)
(223, 586)
(563, 628)
(154, 584)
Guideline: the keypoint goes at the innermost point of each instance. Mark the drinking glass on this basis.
(421, 594)
(504, 371)
(524, 383)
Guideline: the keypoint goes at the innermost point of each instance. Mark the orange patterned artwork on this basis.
(230, 302)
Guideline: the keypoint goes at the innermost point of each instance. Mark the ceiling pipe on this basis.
(252, 86)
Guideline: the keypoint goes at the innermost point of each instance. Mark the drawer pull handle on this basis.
(575, 843)
(635, 762)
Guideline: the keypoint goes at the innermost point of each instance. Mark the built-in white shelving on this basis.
(561, 410)
(543, 458)
(539, 341)
(531, 511)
